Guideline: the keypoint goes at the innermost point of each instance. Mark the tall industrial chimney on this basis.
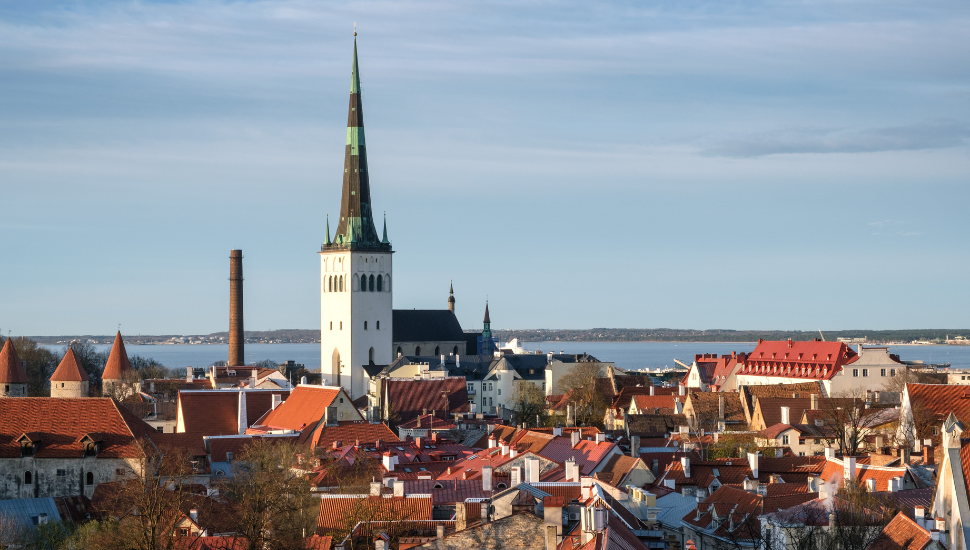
(236, 340)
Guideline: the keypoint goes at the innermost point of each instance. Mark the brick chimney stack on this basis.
(237, 356)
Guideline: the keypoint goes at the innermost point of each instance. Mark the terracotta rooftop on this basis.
(11, 367)
(412, 398)
(69, 370)
(617, 468)
(305, 405)
(901, 533)
(646, 403)
(346, 432)
(59, 425)
(118, 364)
(340, 513)
(941, 399)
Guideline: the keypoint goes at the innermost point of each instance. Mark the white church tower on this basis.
(355, 266)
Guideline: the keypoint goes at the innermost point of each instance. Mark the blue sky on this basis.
(747, 165)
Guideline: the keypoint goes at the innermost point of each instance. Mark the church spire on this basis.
(355, 228)
(329, 242)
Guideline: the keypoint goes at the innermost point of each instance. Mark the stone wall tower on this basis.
(355, 271)
(13, 376)
(119, 378)
(69, 380)
(237, 339)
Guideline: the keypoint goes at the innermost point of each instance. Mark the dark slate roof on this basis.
(373, 370)
(426, 325)
(471, 341)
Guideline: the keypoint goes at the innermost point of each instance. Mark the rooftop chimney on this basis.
(574, 438)
(814, 401)
(785, 415)
(236, 339)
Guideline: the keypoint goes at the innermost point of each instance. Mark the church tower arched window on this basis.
(370, 284)
(380, 283)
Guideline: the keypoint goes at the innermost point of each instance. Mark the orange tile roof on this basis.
(305, 406)
(835, 470)
(118, 364)
(901, 533)
(61, 423)
(941, 400)
(662, 402)
(340, 513)
(69, 370)
(617, 468)
(11, 367)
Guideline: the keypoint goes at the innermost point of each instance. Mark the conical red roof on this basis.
(118, 363)
(11, 368)
(69, 370)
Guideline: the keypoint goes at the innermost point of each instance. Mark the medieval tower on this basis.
(355, 268)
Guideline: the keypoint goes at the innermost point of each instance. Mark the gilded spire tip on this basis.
(355, 28)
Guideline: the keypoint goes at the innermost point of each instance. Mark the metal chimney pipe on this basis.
(237, 356)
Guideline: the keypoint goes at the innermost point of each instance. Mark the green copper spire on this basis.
(356, 228)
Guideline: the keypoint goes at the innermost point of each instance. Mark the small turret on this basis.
(451, 298)
(13, 376)
(69, 380)
(117, 371)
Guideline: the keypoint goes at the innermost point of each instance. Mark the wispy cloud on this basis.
(925, 135)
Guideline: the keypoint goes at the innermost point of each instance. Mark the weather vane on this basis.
(355, 28)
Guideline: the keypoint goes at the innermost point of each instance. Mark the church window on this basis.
(371, 284)
(28, 478)
(455, 352)
(365, 325)
(363, 282)
(400, 351)
(437, 350)
(331, 325)
(387, 283)
(380, 286)
(341, 325)
(90, 478)
(370, 355)
(342, 283)
(378, 323)
(417, 350)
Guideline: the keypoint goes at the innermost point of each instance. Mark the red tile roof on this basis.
(305, 406)
(411, 398)
(118, 364)
(69, 370)
(60, 424)
(901, 533)
(340, 513)
(209, 412)
(811, 360)
(587, 453)
(347, 432)
(11, 367)
(941, 399)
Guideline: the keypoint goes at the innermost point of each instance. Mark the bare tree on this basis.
(845, 422)
(528, 403)
(579, 386)
(268, 498)
(39, 362)
(143, 512)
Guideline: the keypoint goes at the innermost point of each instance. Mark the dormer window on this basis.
(29, 443)
(92, 443)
